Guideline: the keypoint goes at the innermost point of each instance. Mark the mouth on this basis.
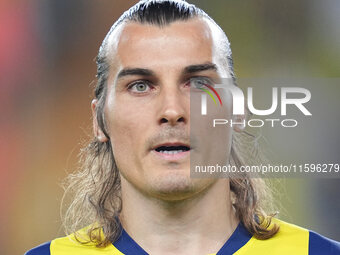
(172, 151)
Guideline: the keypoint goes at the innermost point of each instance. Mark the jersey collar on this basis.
(239, 238)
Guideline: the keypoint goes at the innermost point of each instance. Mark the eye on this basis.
(139, 87)
(200, 82)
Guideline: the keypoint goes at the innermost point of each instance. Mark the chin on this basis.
(174, 186)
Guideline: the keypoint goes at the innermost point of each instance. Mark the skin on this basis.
(164, 210)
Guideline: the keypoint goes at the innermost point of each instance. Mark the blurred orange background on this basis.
(47, 75)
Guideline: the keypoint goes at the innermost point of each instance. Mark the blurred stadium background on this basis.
(47, 70)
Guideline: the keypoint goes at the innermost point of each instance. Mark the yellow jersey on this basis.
(290, 240)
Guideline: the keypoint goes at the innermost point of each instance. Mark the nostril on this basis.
(164, 120)
(181, 119)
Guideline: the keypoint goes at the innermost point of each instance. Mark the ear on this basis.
(101, 137)
(239, 122)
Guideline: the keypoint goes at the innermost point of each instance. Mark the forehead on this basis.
(177, 44)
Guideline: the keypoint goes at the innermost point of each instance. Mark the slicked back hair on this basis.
(95, 188)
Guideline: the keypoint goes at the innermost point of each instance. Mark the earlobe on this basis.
(98, 133)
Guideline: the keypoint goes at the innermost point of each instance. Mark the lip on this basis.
(171, 144)
(172, 157)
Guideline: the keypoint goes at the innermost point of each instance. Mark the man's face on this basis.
(147, 108)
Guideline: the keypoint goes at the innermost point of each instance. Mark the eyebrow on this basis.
(135, 71)
(147, 72)
(199, 68)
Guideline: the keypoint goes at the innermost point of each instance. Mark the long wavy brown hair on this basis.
(93, 192)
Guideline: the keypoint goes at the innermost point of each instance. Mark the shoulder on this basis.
(43, 249)
(71, 245)
(319, 244)
(292, 239)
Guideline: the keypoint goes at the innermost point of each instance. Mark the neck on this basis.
(197, 225)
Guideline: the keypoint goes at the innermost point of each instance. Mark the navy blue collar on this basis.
(239, 238)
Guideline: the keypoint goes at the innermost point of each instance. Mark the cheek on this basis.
(120, 123)
(127, 126)
(214, 142)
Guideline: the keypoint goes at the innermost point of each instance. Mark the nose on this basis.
(174, 106)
